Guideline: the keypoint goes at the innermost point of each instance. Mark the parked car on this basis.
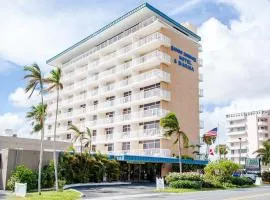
(243, 173)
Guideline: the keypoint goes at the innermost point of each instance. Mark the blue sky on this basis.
(234, 33)
(11, 74)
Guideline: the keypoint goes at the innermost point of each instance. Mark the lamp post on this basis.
(240, 139)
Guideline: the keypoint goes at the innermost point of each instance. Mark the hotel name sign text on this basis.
(184, 59)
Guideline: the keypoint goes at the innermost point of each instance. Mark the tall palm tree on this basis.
(88, 135)
(222, 149)
(78, 135)
(264, 152)
(172, 128)
(208, 140)
(54, 82)
(35, 82)
(36, 114)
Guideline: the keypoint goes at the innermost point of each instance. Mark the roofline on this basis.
(147, 5)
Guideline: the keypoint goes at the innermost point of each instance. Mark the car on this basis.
(244, 173)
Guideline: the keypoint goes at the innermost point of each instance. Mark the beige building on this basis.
(121, 80)
(23, 151)
(248, 128)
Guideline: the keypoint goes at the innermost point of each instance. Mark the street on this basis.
(148, 192)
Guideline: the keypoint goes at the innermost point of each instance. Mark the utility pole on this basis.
(240, 139)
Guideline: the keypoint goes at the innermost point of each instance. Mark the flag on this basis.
(211, 152)
(212, 133)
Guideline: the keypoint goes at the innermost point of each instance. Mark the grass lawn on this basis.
(50, 195)
(182, 190)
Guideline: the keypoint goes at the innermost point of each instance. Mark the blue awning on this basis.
(154, 159)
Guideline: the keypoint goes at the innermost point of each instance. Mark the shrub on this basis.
(186, 184)
(85, 168)
(220, 170)
(266, 176)
(213, 183)
(61, 184)
(183, 176)
(240, 181)
(47, 176)
(23, 174)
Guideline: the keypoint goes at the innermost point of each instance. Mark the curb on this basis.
(95, 184)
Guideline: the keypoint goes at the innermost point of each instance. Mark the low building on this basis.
(24, 151)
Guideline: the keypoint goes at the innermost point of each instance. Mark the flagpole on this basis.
(218, 141)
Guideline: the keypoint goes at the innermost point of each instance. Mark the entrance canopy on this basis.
(154, 159)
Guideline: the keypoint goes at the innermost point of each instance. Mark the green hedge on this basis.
(186, 184)
(22, 174)
(266, 176)
(183, 176)
(240, 181)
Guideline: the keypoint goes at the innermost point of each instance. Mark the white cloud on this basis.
(10, 121)
(236, 58)
(34, 31)
(188, 5)
(20, 99)
(236, 63)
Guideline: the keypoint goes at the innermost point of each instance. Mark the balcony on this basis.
(151, 152)
(235, 132)
(113, 40)
(262, 123)
(201, 93)
(201, 77)
(262, 131)
(201, 108)
(133, 117)
(200, 62)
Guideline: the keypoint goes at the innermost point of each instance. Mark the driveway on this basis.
(148, 192)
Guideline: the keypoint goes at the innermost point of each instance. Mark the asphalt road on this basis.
(148, 192)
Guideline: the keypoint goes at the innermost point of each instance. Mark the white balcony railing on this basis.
(146, 152)
(113, 40)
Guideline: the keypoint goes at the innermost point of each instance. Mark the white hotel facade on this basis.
(122, 79)
(249, 128)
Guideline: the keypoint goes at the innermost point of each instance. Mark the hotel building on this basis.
(248, 128)
(121, 80)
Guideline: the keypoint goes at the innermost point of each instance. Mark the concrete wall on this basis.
(30, 144)
(11, 158)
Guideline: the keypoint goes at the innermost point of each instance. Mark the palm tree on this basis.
(79, 135)
(264, 152)
(172, 128)
(222, 149)
(54, 83)
(88, 139)
(36, 114)
(35, 82)
(208, 140)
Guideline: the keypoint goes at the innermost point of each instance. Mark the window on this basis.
(126, 113)
(126, 128)
(108, 131)
(126, 146)
(83, 107)
(94, 148)
(68, 136)
(151, 125)
(69, 123)
(232, 152)
(95, 103)
(110, 147)
(94, 117)
(110, 100)
(49, 138)
(94, 132)
(151, 144)
(127, 96)
(151, 106)
(266, 135)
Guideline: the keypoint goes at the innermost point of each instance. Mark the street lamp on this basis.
(240, 139)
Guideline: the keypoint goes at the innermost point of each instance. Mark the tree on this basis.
(172, 128)
(78, 135)
(88, 138)
(208, 140)
(54, 82)
(36, 114)
(264, 152)
(35, 82)
(222, 149)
